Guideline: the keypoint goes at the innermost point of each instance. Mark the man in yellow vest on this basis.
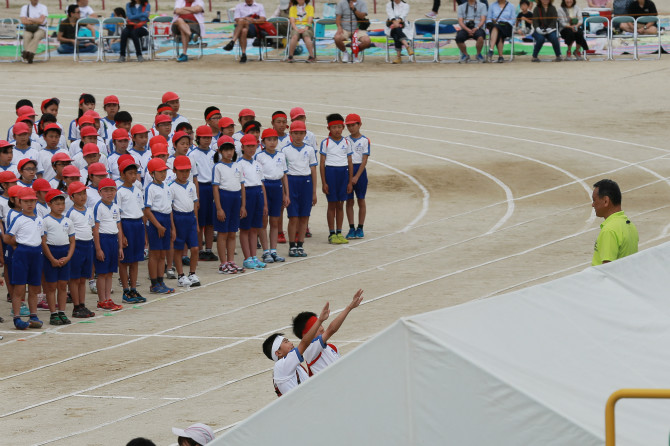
(618, 236)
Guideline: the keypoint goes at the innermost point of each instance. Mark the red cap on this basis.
(267, 133)
(46, 101)
(41, 185)
(297, 112)
(177, 136)
(7, 176)
(92, 113)
(182, 163)
(20, 128)
(162, 119)
(24, 118)
(106, 182)
(247, 112)
(53, 193)
(61, 156)
(158, 139)
(159, 149)
(298, 126)
(88, 131)
(26, 110)
(14, 190)
(204, 130)
(123, 165)
(225, 139)
(120, 134)
(97, 169)
(4, 144)
(138, 128)
(352, 118)
(110, 100)
(75, 187)
(249, 140)
(27, 193)
(123, 158)
(225, 122)
(156, 165)
(25, 161)
(90, 149)
(70, 171)
(169, 96)
(52, 126)
(85, 119)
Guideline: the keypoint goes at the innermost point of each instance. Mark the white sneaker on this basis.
(171, 273)
(92, 286)
(184, 281)
(358, 59)
(345, 57)
(431, 15)
(195, 280)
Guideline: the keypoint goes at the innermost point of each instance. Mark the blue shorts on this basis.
(337, 178)
(187, 234)
(300, 194)
(231, 202)
(133, 231)
(81, 264)
(9, 252)
(27, 266)
(54, 274)
(361, 187)
(157, 243)
(255, 202)
(274, 191)
(206, 211)
(109, 243)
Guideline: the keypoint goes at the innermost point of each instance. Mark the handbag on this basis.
(30, 28)
(363, 24)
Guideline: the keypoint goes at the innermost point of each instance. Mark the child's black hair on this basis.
(50, 102)
(85, 98)
(278, 112)
(131, 167)
(300, 321)
(187, 440)
(61, 186)
(217, 155)
(11, 204)
(161, 105)
(21, 102)
(182, 126)
(119, 12)
(20, 174)
(123, 116)
(524, 1)
(46, 118)
(334, 117)
(58, 197)
(210, 109)
(141, 441)
(6, 149)
(251, 125)
(267, 344)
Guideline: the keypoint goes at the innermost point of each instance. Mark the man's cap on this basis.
(4, 144)
(41, 184)
(297, 112)
(352, 118)
(123, 165)
(182, 163)
(90, 149)
(14, 190)
(25, 161)
(158, 139)
(70, 171)
(248, 140)
(225, 122)
(7, 176)
(156, 165)
(298, 126)
(247, 112)
(169, 96)
(20, 128)
(159, 149)
(267, 133)
(204, 130)
(111, 99)
(137, 129)
(53, 193)
(92, 113)
(88, 131)
(75, 187)
(25, 110)
(27, 193)
(106, 182)
(120, 134)
(61, 156)
(225, 139)
(53, 126)
(97, 169)
(85, 119)
(200, 433)
(178, 135)
(162, 119)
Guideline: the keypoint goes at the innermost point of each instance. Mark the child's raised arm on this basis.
(309, 336)
(337, 322)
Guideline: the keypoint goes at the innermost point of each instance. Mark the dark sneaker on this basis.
(88, 312)
(202, 255)
(243, 58)
(185, 260)
(20, 324)
(55, 320)
(64, 319)
(138, 296)
(293, 252)
(128, 297)
(212, 257)
(80, 312)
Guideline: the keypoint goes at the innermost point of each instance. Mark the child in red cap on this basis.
(255, 202)
(360, 146)
(81, 264)
(111, 106)
(172, 99)
(184, 204)
(51, 134)
(41, 188)
(7, 163)
(86, 102)
(121, 141)
(202, 157)
(27, 172)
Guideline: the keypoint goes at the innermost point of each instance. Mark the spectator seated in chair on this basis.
(66, 34)
(351, 17)
(137, 13)
(188, 21)
(249, 15)
(34, 20)
(637, 9)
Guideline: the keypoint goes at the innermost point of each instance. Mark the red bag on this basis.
(267, 27)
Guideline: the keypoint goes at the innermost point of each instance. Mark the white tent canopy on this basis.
(532, 367)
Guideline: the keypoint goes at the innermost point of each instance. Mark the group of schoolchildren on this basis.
(82, 204)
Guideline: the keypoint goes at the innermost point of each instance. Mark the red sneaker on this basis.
(281, 238)
(109, 305)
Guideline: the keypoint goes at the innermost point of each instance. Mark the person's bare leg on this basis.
(243, 37)
(479, 45)
(244, 243)
(493, 38)
(339, 214)
(230, 246)
(362, 211)
(310, 46)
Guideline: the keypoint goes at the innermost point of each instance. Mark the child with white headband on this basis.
(288, 373)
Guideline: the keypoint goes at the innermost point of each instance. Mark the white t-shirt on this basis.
(283, 142)
(4, 208)
(58, 230)
(287, 373)
(27, 230)
(274, 166)
(194, 168)
(42, 209)
(30, 153)
(92, 196)
(86, 11)
(184, 196)
(141, 159)
(359, 147)
(203, 160)
(34, 12)
(130, 202)
(336, 152)
(228, 176)
(252, 172)
(83, 222)
(44, 157)
(178, 120)
(319, 355)
(12, 167)
(158, 197)
(108, 216)
(299, 160)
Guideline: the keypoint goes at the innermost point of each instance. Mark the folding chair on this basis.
(320, 24)
(425, 23)
(83, 23)
(588, 34)
(196, 38)
(618, 20)
(558, 35)
(439, 37)
(487, 43)
(46, 55)
(9, 33)
(156, 33)
(104, 40)
(642, 21)
(276, 22)
(231, 15)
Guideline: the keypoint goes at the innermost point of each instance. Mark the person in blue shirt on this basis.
(137, 13)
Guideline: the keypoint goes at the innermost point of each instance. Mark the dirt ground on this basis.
(480, 182)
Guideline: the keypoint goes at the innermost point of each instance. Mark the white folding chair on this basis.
(593, 20)
(450, 36)
(156, 32)
(321, 24)
(643, 21)
(431, 38)
(97, 29)
(510, 39)
(46, 55)
(196, 39)
(618, 20)
(277, 22)
(9, 32)
(104, 40)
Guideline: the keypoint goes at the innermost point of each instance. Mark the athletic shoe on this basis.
(578, 55)
(351, 234)
(185, 260)
(293, 252)
(343, 241)
(258, 263)
(79, 313)
(307, 233)
(237, 268)
(34, 322)
(128, 297)
(20, 324)
(156, 289)
(332, 239)
(249, 263)
(121, 59)
(276, 257)
(42, 304)
(140, 299)
(243, 58)
(171, 273)
(267, 257)
(108, 304)
(64, 319)
(281, 238)
(535, 59)
(167, 289)
(55, 320)
(501, 59)
(182, 58)
(195, 280)
(88, 312)
(24, 312)
(229, 46)
(360, 233)
(558, 59)
(464, 58)
(223, 268)
(140, 58)
(490, 55)
(184, 281)
(431, 15)
(345, 57)
(480, 58)
(93, 286)
(301, 252)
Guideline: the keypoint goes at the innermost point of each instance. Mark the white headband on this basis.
(275, 346)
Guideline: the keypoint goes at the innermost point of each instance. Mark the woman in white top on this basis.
(570, 21)
(398, 27)
(34, 20)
